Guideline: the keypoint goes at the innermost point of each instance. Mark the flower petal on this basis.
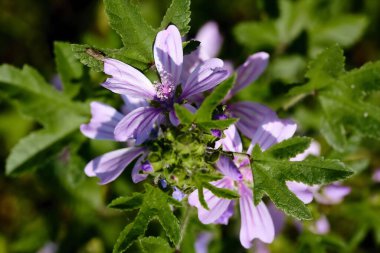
(256, 221)
(272, 132)
(302, 191)
(332, 194)
(211, 40)
(168, 55)
(202, 242)
(217, 206)
(228, 168)
(131, 103)
(251, 116)
(231, 141)
(103, 122)
(227, 214)
(376, 176)
(313, 149)
(321, 226)
(109, 166)
(206, 76)
(137, 177)
(127, 80)
(251, 69)
(138, 124)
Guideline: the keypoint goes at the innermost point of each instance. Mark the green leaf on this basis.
(154, 245)
(128, 203)
(69, 69)
(342, 29)
(221, 192)
(323, 70)
(278, 192)
(178, 14)
(125, 18)
(365, 79)
(289, 148)
(216, 124)
(184, 115)
(35, 98)
(155, 205)
(246, 33)
(271, 175)
(204, 113)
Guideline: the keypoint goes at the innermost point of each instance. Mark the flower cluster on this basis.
(174, 155)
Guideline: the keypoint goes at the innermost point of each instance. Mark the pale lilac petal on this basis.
(226, 215)
(278, 218)
(332, 194)
(251, 69)
(228, 168)
(314, 149)
(256, 221)
(321, 226)
(272, 132)
(261, 247)
(103, 122)
(132, 103)
(206, 76)
(138, 174)
(243, 163)
(190, 62)
(109, 166)
(168, 55)
(302, 191)
(231, 141)
(376, 176)
(202, 242)
(127, 80)
(138, 124)
(217, 206)
(211, 40)
(178, 194)
(251, 116)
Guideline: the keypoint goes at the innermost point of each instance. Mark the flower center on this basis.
(166, 88)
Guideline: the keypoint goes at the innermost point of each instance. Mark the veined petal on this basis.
(110, 165)
(131, 103)
(137, 168)
(256, 221)
(211, 40)
(103, 122)
(271, 132)
(206, 76)
(217, 206)
(168, 55)
(231, 141)
(228, 168)
(251, 116)
(127, 80)
(302, 191)
(225, 217)
(137, 124)
(251, 69)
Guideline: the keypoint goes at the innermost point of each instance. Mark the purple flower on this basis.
(376, 176)
(110, 165)
(321, 226)
(256, 221)
(168, 56)
(202, 242)
(178, 194)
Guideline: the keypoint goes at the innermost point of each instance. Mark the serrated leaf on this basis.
(279, 193)
(184, 115)
(365, 79)
(221, 192)
(324, 69)
(204, 113)
(178, 14)
(128, 203)
(35, 98)
(69, 69)
(154, 245)
(155, 205)
(125, 18)
(289, 148)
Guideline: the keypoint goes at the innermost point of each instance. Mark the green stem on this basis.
(185, 222)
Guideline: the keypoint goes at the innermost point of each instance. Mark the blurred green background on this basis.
(58, 204)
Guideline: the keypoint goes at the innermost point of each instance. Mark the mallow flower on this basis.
(109, 166)
(248, 113)
(256, 221)
(161, 95)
